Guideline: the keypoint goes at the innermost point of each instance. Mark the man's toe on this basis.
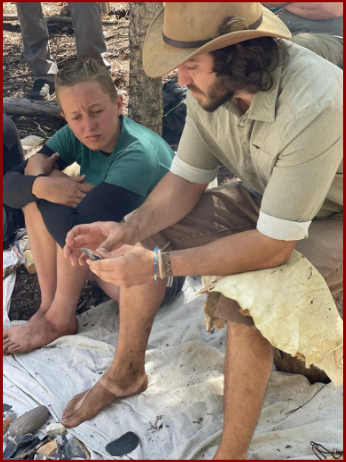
(13, 349)
(5, 333)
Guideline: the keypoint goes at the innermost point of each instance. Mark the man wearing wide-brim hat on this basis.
(271, 112)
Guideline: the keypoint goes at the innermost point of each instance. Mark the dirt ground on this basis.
(17, 83)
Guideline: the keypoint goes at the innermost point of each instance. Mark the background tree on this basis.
(145, 93)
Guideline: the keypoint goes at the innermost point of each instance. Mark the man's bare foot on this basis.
(19, 339)
(89, 403)
(224, 455)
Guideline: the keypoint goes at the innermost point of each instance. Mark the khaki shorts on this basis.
(231, 209)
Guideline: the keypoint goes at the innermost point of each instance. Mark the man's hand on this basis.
(125, 267)
(64, 190)
(40, 164)
(100, 236)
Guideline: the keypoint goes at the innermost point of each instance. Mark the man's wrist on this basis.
(134, 230)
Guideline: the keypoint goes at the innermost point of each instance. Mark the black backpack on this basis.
(12, 156)
(174, 111)
(14, 221)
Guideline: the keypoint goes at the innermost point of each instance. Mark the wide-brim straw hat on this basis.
(182, 30)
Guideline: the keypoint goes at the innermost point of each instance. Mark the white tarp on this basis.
(8, 286)
(180, 415)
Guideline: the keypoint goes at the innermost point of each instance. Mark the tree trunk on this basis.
(25, 107)
(145, 93)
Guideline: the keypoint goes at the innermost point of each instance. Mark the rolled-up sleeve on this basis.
(309, 160)
(193, 174)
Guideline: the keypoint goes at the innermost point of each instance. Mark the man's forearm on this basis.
(275, 4)
(316, 10)
(246, 251)
(171, 200)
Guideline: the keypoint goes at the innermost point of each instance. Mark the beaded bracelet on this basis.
(155, 263)
(158, 261)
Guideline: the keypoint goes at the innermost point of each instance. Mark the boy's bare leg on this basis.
(108, 288)
(60, 319)
(43, 248)
(126, 376)
(248, 365)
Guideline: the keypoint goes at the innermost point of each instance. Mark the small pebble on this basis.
(48, 449)
(61, 440)
(22, 440)
(6, 424)
(55, 456)
(29, 422)
(75, 448)
(25, 449)
(123, 445)
(56, 429)
(10, 450)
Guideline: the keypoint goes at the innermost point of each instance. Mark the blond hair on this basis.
(85, 70)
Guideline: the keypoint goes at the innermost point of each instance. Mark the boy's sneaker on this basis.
(43, 90)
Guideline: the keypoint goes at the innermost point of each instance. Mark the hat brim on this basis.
(159, 58)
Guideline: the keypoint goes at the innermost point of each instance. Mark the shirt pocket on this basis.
(262, 161)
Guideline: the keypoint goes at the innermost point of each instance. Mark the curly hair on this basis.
(248, 65)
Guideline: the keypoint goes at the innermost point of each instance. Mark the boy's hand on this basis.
(40, 164)
(65, 191)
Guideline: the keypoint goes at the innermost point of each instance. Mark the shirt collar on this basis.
(263, 103)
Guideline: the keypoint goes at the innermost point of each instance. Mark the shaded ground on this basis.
(17, 82)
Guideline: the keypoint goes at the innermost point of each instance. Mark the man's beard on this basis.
(217, 95)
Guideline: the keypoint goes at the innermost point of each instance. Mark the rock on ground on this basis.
(29, 422)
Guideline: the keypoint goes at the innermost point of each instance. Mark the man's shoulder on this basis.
(309, 79)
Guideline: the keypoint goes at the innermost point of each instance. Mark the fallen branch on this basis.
(41, 130)
(53, 18)
(22, 106)
(17, 76)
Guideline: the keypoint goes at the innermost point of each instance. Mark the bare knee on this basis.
(248, 337)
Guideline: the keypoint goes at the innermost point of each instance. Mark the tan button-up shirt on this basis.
(287, 146)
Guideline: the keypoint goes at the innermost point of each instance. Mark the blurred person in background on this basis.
(317, 26)
(86, 19)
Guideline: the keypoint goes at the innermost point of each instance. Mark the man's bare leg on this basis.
(248, 365)
(126, 376)
(60, 319)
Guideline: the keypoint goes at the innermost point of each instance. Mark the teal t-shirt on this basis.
(139, 160)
